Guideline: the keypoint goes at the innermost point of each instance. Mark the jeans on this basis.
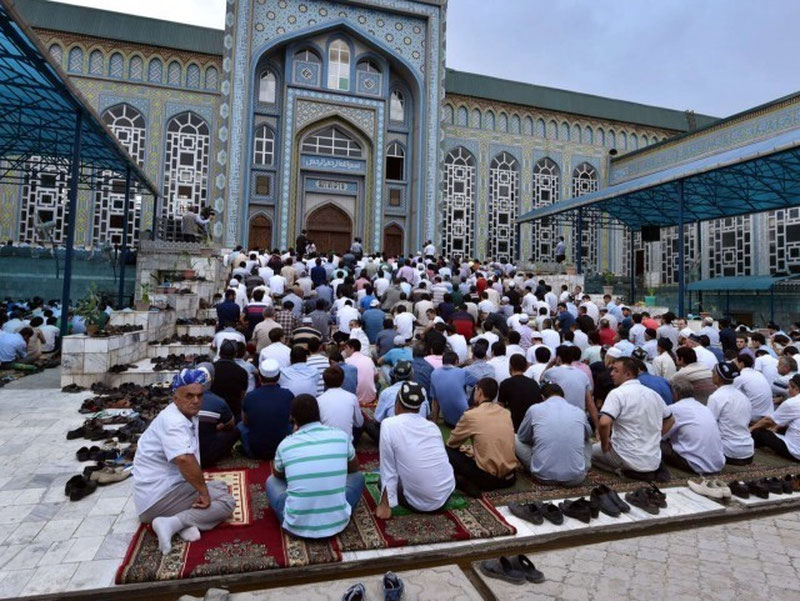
(276, 492)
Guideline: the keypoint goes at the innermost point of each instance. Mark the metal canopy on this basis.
(39, 110)
(760, 176)
(753, 283)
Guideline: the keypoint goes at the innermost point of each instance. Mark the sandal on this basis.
(502, 569)
(525, 565)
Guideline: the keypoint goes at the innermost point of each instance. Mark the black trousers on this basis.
(465, 466)
(768, 438)
(218, 448)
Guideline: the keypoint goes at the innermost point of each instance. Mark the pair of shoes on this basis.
(536, 512)
(739, 489)
(72, 388)
(579, 509)
(647, 498)
(79, 487)
(110, 475)
(608, 501)
(516, 570)
(758, 488)
(775, 485)
(393, 589)
(713, 489)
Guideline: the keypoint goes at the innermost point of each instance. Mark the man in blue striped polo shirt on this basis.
(315, 484)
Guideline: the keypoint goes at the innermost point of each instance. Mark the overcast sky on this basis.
(713, 56)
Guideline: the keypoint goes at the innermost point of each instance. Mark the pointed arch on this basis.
(503, 206)
(546, 190)
(515, 127)
(488, 120)
(462, 118)
(458, 224)
(186, 159)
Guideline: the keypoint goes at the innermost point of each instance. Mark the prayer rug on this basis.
(251, 540)
(526, 489)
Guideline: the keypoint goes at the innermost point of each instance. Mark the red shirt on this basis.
(650, 323)
(607, 336)
(481, 285)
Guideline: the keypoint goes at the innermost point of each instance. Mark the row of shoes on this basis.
(392, 586)
(194, 321)
(183, 339)
(177, 362)
(761, 488)
(121, 367)
(82, 485)
(117, 331)
(515, 570)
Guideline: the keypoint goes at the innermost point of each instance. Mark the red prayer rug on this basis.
(251, 540)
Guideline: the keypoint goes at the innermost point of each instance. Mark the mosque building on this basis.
(340, 117)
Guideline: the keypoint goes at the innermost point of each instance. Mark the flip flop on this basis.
(525, 565)
(357, 592)
(393, 587)
(502, 569)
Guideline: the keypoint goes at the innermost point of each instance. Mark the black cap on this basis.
(727, 371)
(411, 395)
(402, 370)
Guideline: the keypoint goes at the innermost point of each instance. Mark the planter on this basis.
(609, 290)
(142, 305)
(166, 290)
(92, 329)
(650, 301)
(572, 271)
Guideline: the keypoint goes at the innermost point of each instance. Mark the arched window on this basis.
(57, 52)
(129, 127)
(527, 127)
(186, 156)
(397, 107)
(447, 114)
(611, 139)
(368, 77)
(264, 146)
(116, 65)
(155, 71)
(459, 203)
(623, 141)
(552, 130)
(540, 131)
(368, 66)
(174, 73)
(502, 122)
(332, 141)
(75, 60)
(515, 125)
(576, 133)
(634, 142)
(96, 61)
(546, 190)
(462, 117)
(307, 68)
(584, 181)
(475, 121)
(395, 162)
(601, 136)
(268, 88)
(193, 76)
(503, 206)
(563, 134)
(136, 68)
(339, 66)
(588, 135)
(488, 122)
(212, 78)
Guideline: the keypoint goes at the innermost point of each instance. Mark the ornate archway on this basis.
(260, 233)
(330, 228)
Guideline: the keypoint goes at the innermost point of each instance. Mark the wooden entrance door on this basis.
(330, 229)
(260, 235)
(393, 240)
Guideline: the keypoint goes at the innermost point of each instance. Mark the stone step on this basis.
(206, 313)
(143, 374)
(195, 330)
(162, 350)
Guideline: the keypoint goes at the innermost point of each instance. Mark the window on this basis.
(307, 68)
(96, 63)
(136, 68)
(264, 146)
(174, 74)
(395, 162)
(185, 186)
(268, 88)
(57, 53)
(44, 198)
(546, 190)
(584, 181)
(503, 206)
(339, 66)
(263, 187)
(397, 110)
(332, 141)
(212, 75)
(75, 60)
(116, 65)
(193, 76)
(306, 56)
(368, 67)
(155, 71)
(459, 203)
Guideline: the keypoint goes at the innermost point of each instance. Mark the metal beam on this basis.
(123, 256)
(71, 216)
(681, 257)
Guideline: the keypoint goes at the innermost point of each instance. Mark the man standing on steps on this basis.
(169, 490)
(561, 250)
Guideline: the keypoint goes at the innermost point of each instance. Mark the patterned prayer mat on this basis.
(526, 489)
(251, 540)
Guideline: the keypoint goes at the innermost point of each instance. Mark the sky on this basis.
(716, 57)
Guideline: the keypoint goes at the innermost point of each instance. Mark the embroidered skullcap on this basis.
(209, 369)
(727, 371)
(411, 395)
(188, 376)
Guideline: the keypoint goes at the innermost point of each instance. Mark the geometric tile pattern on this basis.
(459, 204)
(503, 207)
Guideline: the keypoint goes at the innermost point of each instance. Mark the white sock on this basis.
(190, 534)
(165, 528)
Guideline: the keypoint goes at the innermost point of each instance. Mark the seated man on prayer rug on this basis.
(169, 490)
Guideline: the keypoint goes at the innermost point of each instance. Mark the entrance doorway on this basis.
(260, 235)
(330, 228)
(393, 240)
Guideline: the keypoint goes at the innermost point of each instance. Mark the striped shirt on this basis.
(314, 460)
(320, 363)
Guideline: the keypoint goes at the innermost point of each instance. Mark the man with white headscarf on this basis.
(169, 490)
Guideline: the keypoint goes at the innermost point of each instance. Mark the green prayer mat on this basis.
(373, 485)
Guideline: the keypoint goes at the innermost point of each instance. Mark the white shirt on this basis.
(580, 339)
(664, 366)
(712, 333)
(500, 366)
(277, 283)
(706, 357)
(551, 338)
(767, 365)
(170, 435)
(487, 306)
(535, 371)
(344, 316)
(278, 351)
(695, 436)
(552, 301)
(300, 378)
(227, 334)
(638, 415)
(458, 344)
(404, 324)
(756, 388)
(339, 409)
(592, 310)
(50, 334)
(489, 337)
(412, 453)
(787, 414)
(731, 408)
(636, 334)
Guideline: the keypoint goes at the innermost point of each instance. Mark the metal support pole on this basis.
(123, 255)
(579, 258)
(772, 303)
(632, 268)
(681, 257)
(155, 219)
(728, 304)
(75, 171)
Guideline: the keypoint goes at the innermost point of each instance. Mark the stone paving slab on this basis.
(443, 583)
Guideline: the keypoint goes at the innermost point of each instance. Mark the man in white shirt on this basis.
(499, 362)
(541, 358)
(277, 284)
(693, 442)
(704, 356)
(241, 293)
(339, 408)
(755, 387)
(550, 337)
(709, 330)
(415, 470)
(404, 323)
(731, 408)
(592, 310)
(787, 415)
(345, 315)
(169, 489)
(457, 344)
(638, 416)
(636, 333)
(276, 349)
(767, 365)
(227, 333)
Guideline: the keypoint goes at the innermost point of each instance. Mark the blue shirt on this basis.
(363, 304)
(350, 377)
(400, 353)
(565, 320)
(373, 323)
(422, 373)
(267, 409)
(558, 432)
(318, 275)
(659, 384)
(388, 396)
(384, 341)
(448, 388)
(12, 347)
(227, 311)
